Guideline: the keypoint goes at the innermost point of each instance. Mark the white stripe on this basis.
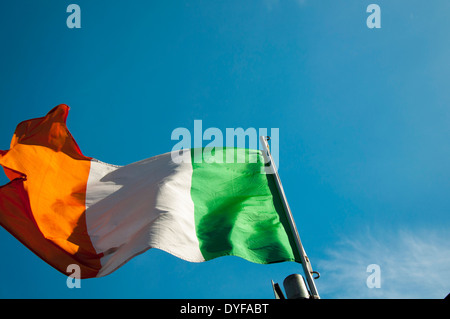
(139, 206)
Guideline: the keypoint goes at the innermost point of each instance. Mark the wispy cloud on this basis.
(413, 265)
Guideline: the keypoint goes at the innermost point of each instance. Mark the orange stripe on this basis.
(56, 177)
(17, 218)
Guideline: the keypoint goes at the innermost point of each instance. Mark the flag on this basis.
(72, 209)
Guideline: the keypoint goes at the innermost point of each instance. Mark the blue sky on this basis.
(363, 116)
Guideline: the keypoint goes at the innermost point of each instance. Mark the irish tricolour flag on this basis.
(72, 209)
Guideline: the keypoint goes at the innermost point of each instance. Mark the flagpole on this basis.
(307, 268)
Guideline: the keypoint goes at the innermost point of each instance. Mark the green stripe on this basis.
(238, 211)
